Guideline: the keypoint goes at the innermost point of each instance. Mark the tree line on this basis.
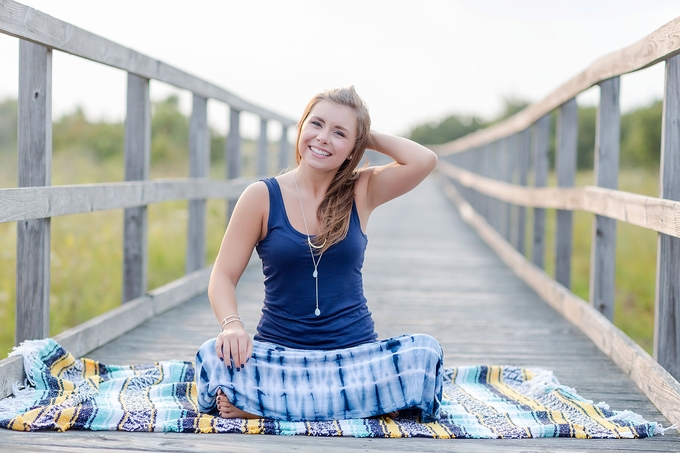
(105, 140)
(640, 132)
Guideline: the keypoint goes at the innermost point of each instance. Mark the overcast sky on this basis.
(412, 61)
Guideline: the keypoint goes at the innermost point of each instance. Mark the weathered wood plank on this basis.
(199, 167)
(524, 158)
(653, 48)
(284, 148)
(504, 168)
(603, 249)
(648, 212)
(233, 151)
(540, 144)
(650, 377)
(667, 307)
(27, 23)
(239, 443)
(262, 149)
(137, 163)
(32, 318)
(565, 167)
(11, 372)
(40, 202)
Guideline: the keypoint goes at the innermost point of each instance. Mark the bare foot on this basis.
(228, 410)
(393, 414)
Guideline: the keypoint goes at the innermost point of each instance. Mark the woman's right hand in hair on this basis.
(234, 346)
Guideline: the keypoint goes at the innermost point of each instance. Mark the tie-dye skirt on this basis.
(295, 385)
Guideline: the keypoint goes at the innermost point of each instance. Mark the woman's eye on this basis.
(316, 123)
(340, 133)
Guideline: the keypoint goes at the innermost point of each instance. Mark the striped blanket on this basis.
(478, 402)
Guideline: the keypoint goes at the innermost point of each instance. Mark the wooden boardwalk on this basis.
(425, 271)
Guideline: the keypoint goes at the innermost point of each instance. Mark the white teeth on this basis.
(319, 151)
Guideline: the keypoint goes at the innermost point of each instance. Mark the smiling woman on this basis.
(316, 341)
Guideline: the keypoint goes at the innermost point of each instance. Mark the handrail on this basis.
(35, 201)
(26, 203)
(486, 175)
(652, 213)
(650, 50)
(22, 21)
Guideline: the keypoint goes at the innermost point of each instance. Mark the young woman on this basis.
(315, 355)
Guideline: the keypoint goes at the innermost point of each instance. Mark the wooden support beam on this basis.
(262, 150)
(667, 307)
(494, 204)
(540, 159)
(284, 148)
(653, 48)
(137, 162)
(34, 142)
(603, 249)
(233, 151)
(28, 203)
(27, 23)
(656, 214)
(199, 167)
(502, 175)
(565, 167)
(524, 159)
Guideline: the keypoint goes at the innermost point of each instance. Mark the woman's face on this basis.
(328, 135)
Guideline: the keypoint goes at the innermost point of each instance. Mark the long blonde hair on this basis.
(336, 207)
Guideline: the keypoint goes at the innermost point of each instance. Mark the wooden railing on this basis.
(34, 202)
(486, 174)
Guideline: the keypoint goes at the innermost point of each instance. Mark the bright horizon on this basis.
(412, 63)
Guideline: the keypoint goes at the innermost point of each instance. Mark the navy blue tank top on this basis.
(288, 317)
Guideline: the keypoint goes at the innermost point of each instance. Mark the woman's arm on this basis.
(412, 163)
(243, 232)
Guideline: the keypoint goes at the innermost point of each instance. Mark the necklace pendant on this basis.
(317, 312)
(315, 274)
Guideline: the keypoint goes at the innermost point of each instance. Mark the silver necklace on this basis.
(312, 247)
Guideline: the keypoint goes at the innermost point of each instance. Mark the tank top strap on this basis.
(276, 208)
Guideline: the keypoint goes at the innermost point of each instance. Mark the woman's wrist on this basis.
(230, 319)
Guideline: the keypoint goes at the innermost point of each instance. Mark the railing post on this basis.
(495, 204)
(485, 170)
(502, 175)
(137, 163)
(540, 152)
(667, 309)
(524, 158)
(34, 144)
(199, 167)
(565, 167)
(603, 249)
(233, 150)
(284, 148)
(262, 149)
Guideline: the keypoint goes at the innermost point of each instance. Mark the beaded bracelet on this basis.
(230, 319)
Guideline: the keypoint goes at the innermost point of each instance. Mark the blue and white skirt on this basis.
(295, 385)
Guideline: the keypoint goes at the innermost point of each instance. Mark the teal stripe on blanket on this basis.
(478, 402)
